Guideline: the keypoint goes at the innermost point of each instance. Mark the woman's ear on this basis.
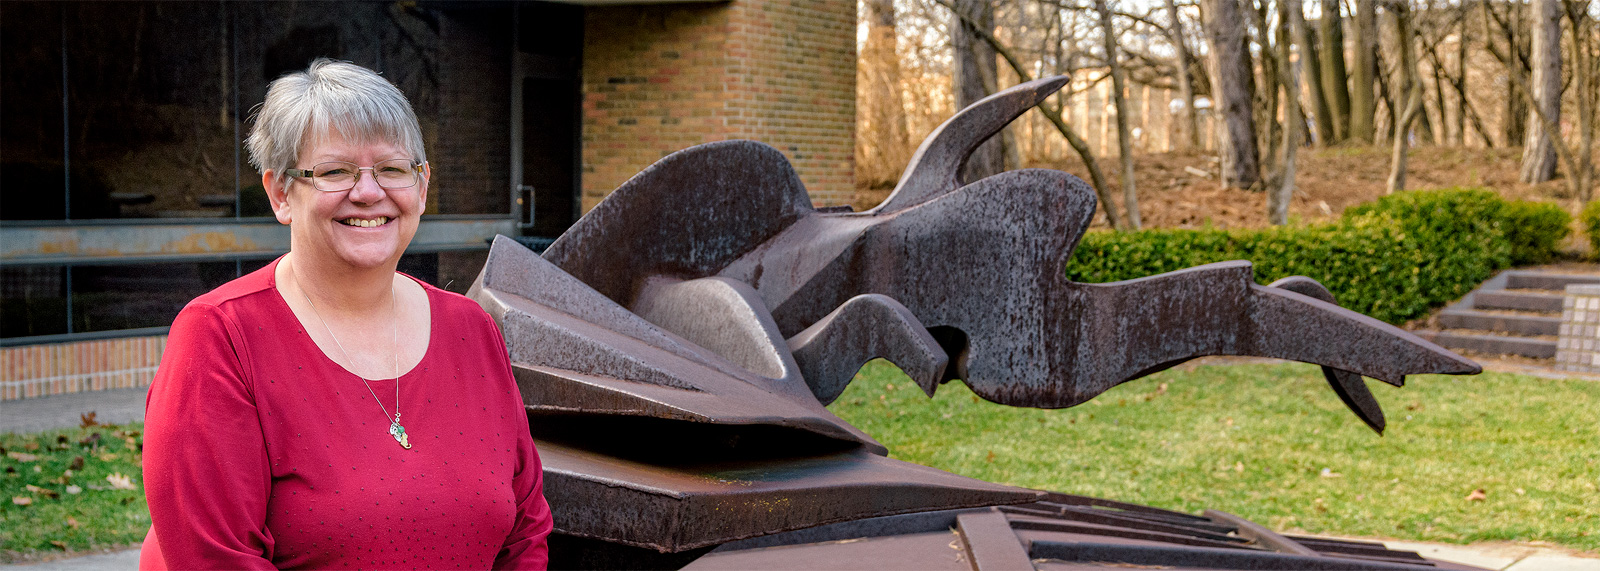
(427, 175)
(277, 194)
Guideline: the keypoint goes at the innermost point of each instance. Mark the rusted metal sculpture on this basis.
(676, 348)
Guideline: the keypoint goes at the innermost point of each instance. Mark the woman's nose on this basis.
(366, 189)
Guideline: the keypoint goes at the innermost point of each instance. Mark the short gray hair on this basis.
(304, 106)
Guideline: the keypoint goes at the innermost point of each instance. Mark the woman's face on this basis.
(365, 227)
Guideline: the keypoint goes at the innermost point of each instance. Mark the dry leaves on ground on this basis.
(121, 482)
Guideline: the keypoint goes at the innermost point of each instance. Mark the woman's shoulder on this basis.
(246, 289)
(454, 308)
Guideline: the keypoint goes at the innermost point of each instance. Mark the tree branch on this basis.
(1077, 142)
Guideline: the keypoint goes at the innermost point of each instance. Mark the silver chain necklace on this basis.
(395, 429)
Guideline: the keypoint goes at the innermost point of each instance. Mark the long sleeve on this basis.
(526, 546)
(206, 470)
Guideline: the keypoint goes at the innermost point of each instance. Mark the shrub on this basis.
(1393, 259)
(1535, 230)
(1590, 219)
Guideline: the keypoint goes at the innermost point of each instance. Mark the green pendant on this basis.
(399, 434)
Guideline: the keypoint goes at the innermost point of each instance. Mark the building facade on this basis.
(125, 190)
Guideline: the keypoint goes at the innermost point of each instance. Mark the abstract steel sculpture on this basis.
(676, 348)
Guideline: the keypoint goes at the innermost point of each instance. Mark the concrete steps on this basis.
(1516, 323)
(1515, 313)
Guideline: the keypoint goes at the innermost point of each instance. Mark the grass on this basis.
(49, 518)
(1272, 443)
(1268, 442)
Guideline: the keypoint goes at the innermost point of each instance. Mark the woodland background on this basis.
(1244, 113)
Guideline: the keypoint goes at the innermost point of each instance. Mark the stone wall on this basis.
(1578, 347)
(657, 79)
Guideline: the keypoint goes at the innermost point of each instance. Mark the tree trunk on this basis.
(1443, 134)
(1563, 152)
(1269, 130)
(1337, 95)
(1514, 112)
(1189, 119)
(882, 146)
(1583, 75)
(1538, 151)
(1409, 91)
(1130, 198)
(1311, 73)
(1096, 179)
(974, 79)
(1363, 104)
(1278, 198)
(1460, 80)
(1232, 89)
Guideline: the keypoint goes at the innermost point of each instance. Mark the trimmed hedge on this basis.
(1590, 219)
(1535, 230)
(1393, 259)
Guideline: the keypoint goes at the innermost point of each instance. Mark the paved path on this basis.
(115, 561)
(61, 411)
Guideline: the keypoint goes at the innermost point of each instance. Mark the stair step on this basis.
(1555, 282)
(1518, 300)
(1503, 322)
(1493, 344)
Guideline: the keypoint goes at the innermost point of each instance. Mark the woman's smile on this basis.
(365, 222)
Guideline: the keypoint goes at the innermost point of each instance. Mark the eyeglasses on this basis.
(338, 176)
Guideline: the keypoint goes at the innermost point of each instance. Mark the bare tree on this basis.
(1514, 113)
(1268, 131)
(1124, 137)
(1585, 69)
(1108, 204)
(1337, 95)
(1311, 74)
(1458, 82)
(883, 145)
(1363, 104)
(1538, 150)
(974, 78)
(1278, 198)
(1233, 88)
(1190, 119)
(1410, 91)
(1563, 152)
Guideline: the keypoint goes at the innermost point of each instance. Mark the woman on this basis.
(326, 411)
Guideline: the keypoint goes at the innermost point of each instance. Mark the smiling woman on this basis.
(312, 413)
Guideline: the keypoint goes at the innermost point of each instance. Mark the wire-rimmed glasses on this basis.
(339, 176)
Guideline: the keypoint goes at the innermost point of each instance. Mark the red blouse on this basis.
(261, 452)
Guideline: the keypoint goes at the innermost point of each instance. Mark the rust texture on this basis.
(676, 348)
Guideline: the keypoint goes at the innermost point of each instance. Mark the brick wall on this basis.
(58, 368)
(473, 114)
(657, 79)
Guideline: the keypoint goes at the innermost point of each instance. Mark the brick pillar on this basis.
(659, 78)
(1578, 348)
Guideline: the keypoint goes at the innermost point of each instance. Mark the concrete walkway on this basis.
(115, 561)
(62, 411)
(1504, 556)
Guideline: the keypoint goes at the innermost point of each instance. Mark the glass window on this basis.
(139, 109)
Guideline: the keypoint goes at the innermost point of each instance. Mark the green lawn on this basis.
(106, 511)
(1273, 443)
(1269, 442)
